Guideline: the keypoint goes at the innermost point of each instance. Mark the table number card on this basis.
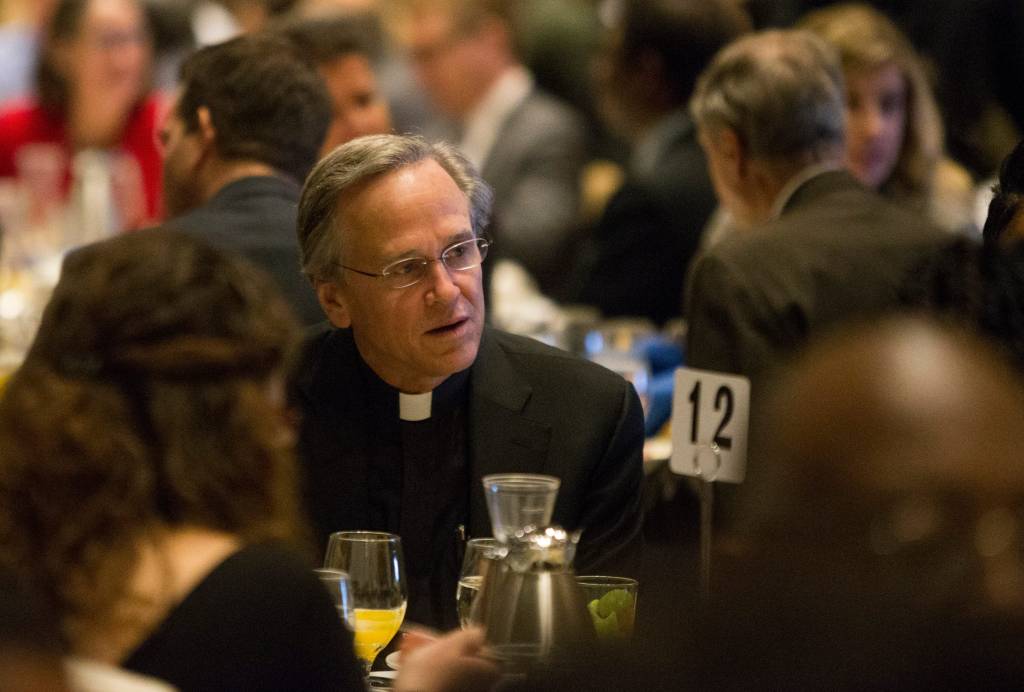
(710, 410)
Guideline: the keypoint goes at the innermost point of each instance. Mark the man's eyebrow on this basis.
(459, 237)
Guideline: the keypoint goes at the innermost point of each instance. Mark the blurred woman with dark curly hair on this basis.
(146, 478)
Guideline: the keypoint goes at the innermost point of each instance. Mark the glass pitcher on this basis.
(529, 603)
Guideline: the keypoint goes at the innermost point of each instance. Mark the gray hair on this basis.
(355, 163)
(782, 92)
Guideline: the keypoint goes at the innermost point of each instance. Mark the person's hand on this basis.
(415, 635)
(451, 663)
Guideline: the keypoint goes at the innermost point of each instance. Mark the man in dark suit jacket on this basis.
(410, 400)
(634, 263)
(244, 132)
(817, 248)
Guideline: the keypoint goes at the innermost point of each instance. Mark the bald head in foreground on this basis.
(892, 407)
(883, 521)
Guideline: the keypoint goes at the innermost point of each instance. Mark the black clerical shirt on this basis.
(417, 487)
(523, 407)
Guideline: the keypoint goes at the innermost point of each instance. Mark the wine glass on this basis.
(374, 563)
(479, 553)
(340, 588)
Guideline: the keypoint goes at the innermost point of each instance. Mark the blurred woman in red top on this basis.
(92, 92)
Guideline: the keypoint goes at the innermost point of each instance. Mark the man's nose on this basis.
(442, 285)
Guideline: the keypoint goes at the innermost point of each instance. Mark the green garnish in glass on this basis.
(613, 614)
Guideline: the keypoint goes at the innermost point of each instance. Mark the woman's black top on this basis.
(260, 620)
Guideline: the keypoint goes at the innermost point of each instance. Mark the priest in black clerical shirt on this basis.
(408, 400)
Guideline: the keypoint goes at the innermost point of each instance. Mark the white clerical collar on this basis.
(484, 122)
(798, 181)
(414, 407)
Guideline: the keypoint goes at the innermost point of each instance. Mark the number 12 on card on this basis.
(710, 415)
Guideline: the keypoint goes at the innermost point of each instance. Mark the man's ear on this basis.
(732, 154)
(206, 131)
(332, 300)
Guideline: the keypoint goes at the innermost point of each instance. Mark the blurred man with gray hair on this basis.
(816, 248)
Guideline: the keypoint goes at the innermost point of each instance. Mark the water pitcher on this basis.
(529, 603)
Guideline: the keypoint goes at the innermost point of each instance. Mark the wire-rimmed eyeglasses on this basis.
(460, 256)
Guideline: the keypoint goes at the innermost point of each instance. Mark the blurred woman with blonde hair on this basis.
(894, 130)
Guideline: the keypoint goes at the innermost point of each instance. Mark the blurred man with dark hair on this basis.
(344, 49)
(635, 261)
(246, 128)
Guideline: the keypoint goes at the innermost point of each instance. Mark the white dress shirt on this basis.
(484, 122)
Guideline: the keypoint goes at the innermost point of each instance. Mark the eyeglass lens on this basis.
(461, 256)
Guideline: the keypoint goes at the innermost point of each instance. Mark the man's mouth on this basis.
(449, 327)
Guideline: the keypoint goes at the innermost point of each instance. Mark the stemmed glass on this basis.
(340, 588)
(479, 551)
(376, 570)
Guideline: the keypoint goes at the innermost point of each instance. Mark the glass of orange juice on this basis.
(374, 563)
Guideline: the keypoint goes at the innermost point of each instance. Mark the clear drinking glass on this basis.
(518, 500)
(611, 602)
(340, 588)
(376, 571)
(479, 553)
(619, 345)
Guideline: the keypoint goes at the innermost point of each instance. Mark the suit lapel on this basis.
(501, 438)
